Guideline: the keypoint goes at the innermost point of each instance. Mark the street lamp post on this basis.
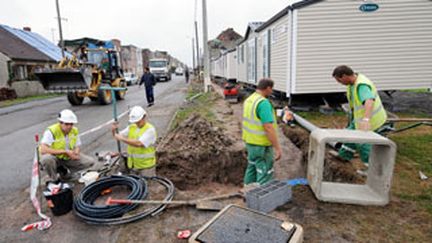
(193, 54)
(60, 29)
(197, 48)
(206, 58)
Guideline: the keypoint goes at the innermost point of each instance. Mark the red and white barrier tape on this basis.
(46, 222)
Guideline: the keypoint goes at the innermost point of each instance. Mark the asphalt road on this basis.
(20, 123)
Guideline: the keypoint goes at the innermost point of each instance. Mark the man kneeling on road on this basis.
(140, 137)
(60, 148)
(260, 134)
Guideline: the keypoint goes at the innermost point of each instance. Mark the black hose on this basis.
(113, 214)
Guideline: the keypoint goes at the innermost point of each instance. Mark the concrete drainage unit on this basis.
(376, 191)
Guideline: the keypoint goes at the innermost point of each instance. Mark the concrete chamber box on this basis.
(376, 190)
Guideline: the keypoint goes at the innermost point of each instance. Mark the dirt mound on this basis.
(197, 152)
(335, 170)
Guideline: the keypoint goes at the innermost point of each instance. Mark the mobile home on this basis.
(390, 41)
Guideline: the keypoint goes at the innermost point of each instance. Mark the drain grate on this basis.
(243, 225)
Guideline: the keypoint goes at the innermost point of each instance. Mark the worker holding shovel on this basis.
(140, 137)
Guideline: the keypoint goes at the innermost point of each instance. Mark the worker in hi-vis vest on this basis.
(260, 134)
(60, 149)
(367, 111)
(140, 136)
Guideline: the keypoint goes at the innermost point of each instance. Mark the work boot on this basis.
(66, 174)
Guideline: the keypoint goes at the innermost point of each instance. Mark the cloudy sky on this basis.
(155, 24)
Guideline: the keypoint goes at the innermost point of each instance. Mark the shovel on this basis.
(206, 203)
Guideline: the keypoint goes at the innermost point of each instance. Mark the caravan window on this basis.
(251, 60)
(266, 54)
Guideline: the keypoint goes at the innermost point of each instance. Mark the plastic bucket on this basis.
(60, 203)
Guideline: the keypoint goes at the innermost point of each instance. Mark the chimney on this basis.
(27, 29)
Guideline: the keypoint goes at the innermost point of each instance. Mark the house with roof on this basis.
(21, 53)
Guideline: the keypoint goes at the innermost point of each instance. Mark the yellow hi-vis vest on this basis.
(253, 129)
(140, 157)
(378, 116)
(60, 139)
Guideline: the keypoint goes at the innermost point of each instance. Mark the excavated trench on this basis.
(335, 170)
(197, 153)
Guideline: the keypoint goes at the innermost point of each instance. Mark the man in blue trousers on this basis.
(149, 81)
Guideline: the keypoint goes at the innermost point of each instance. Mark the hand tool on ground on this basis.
(206, 203)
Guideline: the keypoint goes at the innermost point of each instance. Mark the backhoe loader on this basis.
(84, 78)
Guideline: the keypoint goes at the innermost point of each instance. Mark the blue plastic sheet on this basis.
(297, 181)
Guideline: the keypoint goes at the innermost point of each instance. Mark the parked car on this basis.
(131, 79)
(179, 71)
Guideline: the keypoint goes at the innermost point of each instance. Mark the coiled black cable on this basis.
(113, 214)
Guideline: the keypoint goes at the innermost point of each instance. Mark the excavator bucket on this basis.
(65, 80)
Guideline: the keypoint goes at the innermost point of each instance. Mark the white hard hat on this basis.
(67, 116)
(136, 114)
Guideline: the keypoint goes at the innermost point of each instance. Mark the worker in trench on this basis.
(60, 149)
(260, 134)
(367, 111)
(140, 136)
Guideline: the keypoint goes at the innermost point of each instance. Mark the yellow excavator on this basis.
(98, 67)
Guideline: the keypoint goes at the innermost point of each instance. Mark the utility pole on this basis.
(60, 28)
(197, 48)
(193, 54)
(206, 58)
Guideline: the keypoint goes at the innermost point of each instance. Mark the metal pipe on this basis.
(304, 123)
(309, 126)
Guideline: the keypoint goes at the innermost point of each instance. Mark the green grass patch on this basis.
(417, 149)
(202, 105)
(16, 101)
(417, 90)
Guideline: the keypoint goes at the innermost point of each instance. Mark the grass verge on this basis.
(201, 104)
(16, 101)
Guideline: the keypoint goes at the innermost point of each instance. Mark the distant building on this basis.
(131, 59)
(226, 40)
(146, 54)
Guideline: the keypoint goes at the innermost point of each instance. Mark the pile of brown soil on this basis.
(196, 153)
(335, 170)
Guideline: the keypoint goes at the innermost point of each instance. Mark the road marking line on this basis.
(102, 125)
